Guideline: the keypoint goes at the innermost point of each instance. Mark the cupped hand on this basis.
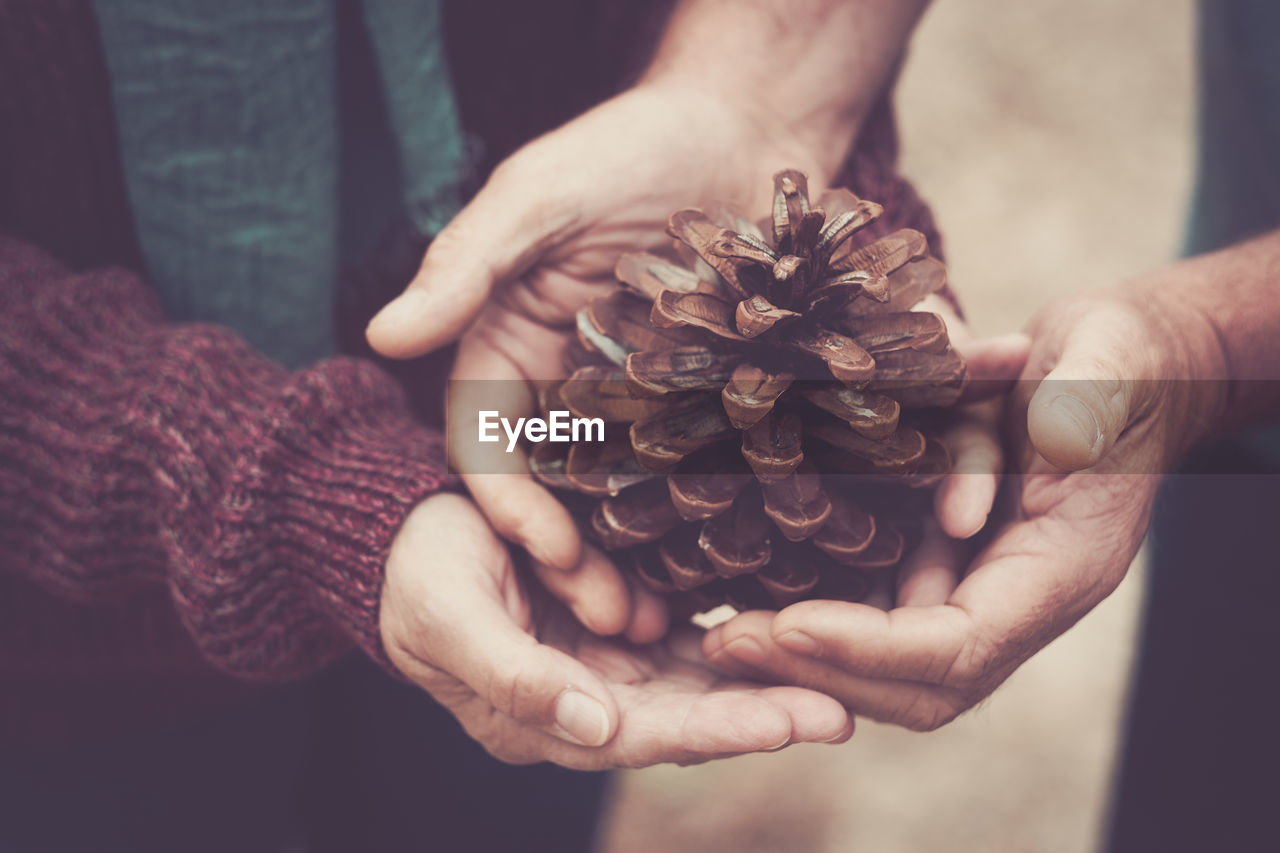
(541, 239)
(1107, 403)
(965, 497)
(530, 683)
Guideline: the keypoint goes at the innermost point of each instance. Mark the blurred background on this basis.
(1054, 140)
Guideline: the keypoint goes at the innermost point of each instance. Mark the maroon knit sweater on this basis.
(179, 516)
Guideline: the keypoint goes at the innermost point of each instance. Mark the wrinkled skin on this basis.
(541, 239)
(1069, 524)
(458, 620)
(538, 242)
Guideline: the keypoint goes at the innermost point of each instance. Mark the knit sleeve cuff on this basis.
(301, 537)
(871, 170)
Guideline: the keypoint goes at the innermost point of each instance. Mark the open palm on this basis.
(1102, 401)
(530, 683)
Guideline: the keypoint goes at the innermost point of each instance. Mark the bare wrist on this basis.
(1192, 361)
(805, 74)
(816, 147)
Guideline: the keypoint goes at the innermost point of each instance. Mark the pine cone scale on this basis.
(762, 395)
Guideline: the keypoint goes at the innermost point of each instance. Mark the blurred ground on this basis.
(1054, 141)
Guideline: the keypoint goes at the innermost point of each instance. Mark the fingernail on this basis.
(582, 719)
(747, 650)
(1074, 411)
(714, 639)
(843, 737)
(800, 643)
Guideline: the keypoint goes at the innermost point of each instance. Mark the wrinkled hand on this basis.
(1104, 408)
(540, 240)
(529, 683)
(964, 499)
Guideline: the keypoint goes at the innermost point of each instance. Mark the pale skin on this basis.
(508, 275)
(541, 239)
(1092, 440)
(726, 101)
(530, 683)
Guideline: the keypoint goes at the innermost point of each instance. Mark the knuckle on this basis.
(455, 237)
(501, 740)
(511, 170)
(509, 755)
(916, 714)
(927, 713)
(969, 666)
(514, 693)
(1128, 317)
(510, 751)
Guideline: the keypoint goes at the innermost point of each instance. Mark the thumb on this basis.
(529, 682)
(467, 627)
(1086, 401)
(495, 238)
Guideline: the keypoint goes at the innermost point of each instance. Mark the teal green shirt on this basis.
(251, 168)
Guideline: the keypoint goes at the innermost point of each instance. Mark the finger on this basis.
(680, 727)
(691, 727)
(749, 649)
(650, 615)
(528, 515)
(963, 500)
(844, 736)
(815, 718)
(880, 596)
(1082, 406)
(497, 473)
(496, 237)
(1033, 582)
(739, 646)
(684, 643)
(675, 709)
(468, 631)
(732, 719)
(906, 643)
(594, 590)
(529, 682)
(930, 574)
(993, 365)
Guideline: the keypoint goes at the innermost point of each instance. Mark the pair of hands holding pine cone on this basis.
(771, 395)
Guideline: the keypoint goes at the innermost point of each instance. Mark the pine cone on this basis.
(764, 397)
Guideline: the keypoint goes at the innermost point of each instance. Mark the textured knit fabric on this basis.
(140, 451)
(211, 506)
(173, 504)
